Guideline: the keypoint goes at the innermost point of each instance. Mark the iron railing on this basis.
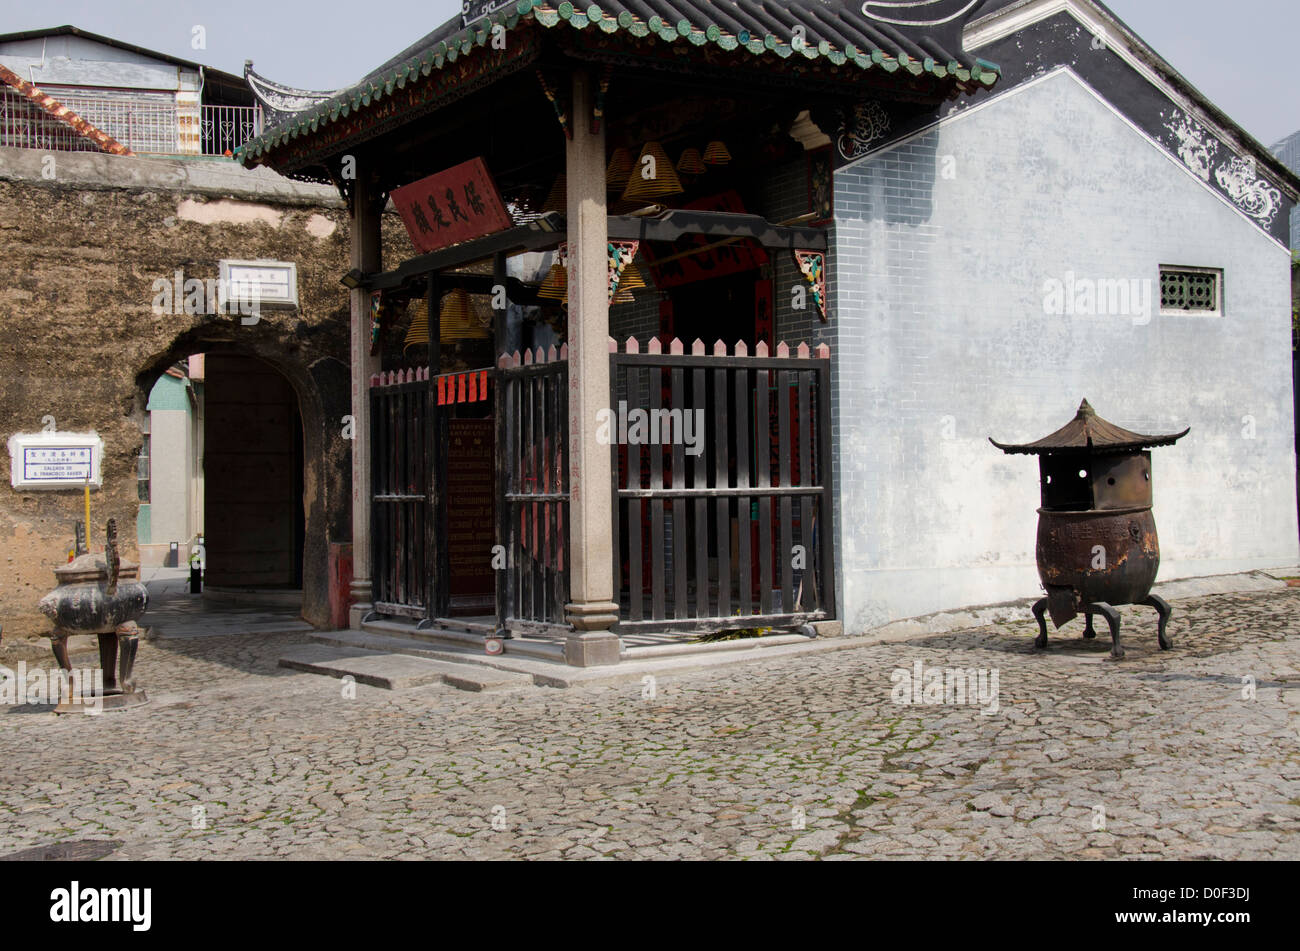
(145, 124)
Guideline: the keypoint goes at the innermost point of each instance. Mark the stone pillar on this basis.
(591, 610)
(367, 257)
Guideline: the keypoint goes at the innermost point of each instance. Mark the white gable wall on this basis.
(943, 342)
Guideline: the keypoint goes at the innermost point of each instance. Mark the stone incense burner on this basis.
(100, 595)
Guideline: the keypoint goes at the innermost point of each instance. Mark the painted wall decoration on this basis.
(1238, 177)
(867, 124)
(1252, 194)
(621, 254)
(812, 265)
(1195, 146)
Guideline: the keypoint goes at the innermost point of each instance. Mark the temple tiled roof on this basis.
(834, 32)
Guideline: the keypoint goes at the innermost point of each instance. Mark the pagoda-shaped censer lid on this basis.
(1088, 432)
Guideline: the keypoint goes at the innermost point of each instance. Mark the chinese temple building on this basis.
(710, 305)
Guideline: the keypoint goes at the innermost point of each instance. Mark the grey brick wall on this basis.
(943, 247)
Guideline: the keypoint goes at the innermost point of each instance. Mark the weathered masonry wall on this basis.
(79, 252)
(943, 341)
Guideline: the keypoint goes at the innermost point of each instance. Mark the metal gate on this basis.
(401, 492)
(533, 489)
(722, 482)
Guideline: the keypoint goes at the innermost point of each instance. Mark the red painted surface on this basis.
(452, 206)
(340, 595)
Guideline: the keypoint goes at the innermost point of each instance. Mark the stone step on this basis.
(396, 671)
(450, 636)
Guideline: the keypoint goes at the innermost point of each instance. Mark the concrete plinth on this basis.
(591, 649)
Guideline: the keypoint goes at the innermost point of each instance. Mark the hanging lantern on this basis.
(556, 285)
(618, 170)
(691, 163)
(715, 153)
(557, 199)
(652, 179)
(417, 334)
(458, 319)
(632, 279)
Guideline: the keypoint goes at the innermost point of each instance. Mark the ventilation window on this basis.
(1191, 291)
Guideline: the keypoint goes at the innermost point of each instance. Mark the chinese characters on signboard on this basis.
(57, 463)
(452, 206)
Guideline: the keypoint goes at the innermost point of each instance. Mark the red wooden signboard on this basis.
(452, 206)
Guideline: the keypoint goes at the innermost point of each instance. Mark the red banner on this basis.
(455, 205)
(718, 260)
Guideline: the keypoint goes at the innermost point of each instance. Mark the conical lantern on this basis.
(418, 333)
(460, 319)
(556, 285)
(557, 198)
(632, 279)
(663, 182)
(690, 162)
(618, 170)
(715, 153)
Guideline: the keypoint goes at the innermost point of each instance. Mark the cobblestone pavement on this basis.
(235, 758)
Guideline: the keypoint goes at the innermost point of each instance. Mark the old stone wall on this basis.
(83, 238)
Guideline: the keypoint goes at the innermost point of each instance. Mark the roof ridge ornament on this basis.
(917, 12)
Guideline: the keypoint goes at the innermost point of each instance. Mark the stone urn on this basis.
(98, 594)
(1097, 544)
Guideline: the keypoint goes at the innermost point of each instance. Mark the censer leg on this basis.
(59, 644)
(1164, 610)
(1040, 610)
(1089, 632)
(1112, 618)
(108, 662)
(128, 637)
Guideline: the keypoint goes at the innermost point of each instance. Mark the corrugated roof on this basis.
(1089, 431)
(833, 31)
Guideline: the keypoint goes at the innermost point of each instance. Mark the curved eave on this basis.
(478, 35)
(1045, 448)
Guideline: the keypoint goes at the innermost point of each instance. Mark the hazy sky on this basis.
(1244, 62)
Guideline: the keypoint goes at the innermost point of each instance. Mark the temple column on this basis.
(592, 610)
(367, 212)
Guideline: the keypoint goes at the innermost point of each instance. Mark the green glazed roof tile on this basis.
(463, 42)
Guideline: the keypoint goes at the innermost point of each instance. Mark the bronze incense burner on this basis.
(100, 595)
(1097, 544)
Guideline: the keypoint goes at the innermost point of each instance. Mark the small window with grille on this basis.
(1191, 290)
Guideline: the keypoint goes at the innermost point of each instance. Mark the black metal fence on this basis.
(532, 470)
(722, 479)
(401, 484)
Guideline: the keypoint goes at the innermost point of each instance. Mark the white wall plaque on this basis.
(270, 283)
(53, 460)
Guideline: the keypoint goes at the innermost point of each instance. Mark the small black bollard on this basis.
(196, 578)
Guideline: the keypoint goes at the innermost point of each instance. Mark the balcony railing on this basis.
(145, 124)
